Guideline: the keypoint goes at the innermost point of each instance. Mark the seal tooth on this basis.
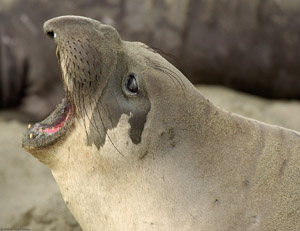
(29, 126)
(31, 136)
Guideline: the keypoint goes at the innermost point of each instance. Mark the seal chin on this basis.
(51, 129)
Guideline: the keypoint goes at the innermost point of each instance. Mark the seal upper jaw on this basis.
(57, 124)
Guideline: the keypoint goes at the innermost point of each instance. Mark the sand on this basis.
(29, 196)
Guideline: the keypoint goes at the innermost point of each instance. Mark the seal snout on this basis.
(53, 26)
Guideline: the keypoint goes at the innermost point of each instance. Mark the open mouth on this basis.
(52, 128)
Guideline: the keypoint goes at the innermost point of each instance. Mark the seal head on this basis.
(101, 82)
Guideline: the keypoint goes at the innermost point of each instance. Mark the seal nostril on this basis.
(51, 34)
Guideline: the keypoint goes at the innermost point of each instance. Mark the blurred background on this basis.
(243, 55)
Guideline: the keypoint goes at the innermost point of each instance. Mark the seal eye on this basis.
(131, 84)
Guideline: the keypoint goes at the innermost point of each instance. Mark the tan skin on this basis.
(164, 158)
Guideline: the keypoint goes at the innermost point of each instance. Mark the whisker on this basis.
(79, 86)
(171, 77)
(106, 109)
(82, 108)
(99, 113)
(160, 69)
(166, 54)
(175, 75)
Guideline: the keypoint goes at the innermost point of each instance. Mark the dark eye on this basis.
(131, 84)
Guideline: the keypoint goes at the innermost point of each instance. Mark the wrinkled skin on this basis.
(250, 45)
(164, 158)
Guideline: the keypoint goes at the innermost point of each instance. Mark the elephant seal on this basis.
(135, 146)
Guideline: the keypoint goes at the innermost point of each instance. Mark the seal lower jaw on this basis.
(52, 129)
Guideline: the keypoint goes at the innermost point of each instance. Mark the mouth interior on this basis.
(65, 112)
(54, 122)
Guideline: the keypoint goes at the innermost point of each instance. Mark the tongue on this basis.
(51, 130)
(54, 129)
